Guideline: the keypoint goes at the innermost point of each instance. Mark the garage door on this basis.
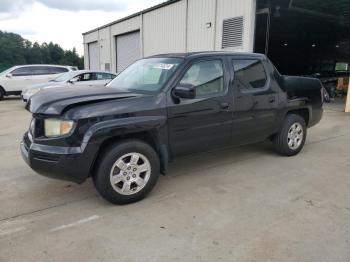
(93, 56)
(128, 49)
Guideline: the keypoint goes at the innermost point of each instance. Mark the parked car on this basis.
(13, 80)
(75, 78)
(160, 107)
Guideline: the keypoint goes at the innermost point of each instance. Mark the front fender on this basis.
(101, 131)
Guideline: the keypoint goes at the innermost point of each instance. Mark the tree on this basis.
(15, 50)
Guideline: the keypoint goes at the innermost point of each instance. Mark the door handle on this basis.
(224, 105)
(272, 99)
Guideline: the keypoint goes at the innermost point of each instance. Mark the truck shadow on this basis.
(230, 155)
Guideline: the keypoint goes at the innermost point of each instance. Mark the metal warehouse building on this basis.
(299, 36)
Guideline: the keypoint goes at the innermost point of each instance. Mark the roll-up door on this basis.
(128, 49)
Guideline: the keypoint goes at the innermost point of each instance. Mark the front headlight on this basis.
(32, 126)
(56, 127)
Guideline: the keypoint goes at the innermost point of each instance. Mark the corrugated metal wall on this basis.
(201, 25)
(105, 48)
(93, 55)
(183, 26)
(164, 29)
(233, 8)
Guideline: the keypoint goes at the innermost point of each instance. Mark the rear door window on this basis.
(250, 73)
(86, 77)
(103, 76)
(41, 70)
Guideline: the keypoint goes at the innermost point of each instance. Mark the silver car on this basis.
(75, 78)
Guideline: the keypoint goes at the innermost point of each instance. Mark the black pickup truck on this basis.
(123, 135)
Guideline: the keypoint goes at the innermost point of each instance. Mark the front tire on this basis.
(291, 139)
(127, 172)
(2, 93)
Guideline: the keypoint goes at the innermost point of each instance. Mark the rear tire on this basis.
(291, 139)
(327, 97)
(127, 172)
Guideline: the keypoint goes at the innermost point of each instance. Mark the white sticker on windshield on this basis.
(163, 66)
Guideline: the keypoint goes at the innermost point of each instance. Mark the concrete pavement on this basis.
(243, 204)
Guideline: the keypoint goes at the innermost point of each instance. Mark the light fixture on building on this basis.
(208, 25)
(313, 45)
(277, 12)
(337, 46)
(285, 44)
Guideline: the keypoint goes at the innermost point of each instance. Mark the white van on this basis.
(15, 79)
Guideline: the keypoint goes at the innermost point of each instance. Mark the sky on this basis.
(64, 21)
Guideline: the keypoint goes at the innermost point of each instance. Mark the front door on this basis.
(204, 122)
(19, 78)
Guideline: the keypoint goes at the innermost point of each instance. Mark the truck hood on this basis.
(55, 101)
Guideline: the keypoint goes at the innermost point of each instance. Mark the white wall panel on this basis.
(91, 37)
(199, 36)
(164, 29)
(88, 38)
(104, 47)
(177, 27)
(94, 58)
(125, 26)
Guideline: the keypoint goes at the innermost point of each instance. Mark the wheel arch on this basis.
(149, 137)
(305, 113)
(2, 90)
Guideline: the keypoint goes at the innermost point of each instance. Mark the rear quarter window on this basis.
(58, 70)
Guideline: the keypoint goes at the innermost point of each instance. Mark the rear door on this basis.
(255, 101)
(41, 74)
(204, 122)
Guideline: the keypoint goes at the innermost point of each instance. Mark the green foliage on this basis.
(15, 50)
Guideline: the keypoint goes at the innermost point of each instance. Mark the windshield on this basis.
(7, 71)
(65, 77)
(147, 75)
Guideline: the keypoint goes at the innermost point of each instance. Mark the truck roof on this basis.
(210, 53)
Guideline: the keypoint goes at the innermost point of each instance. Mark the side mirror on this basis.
(9, 75)
(73, 80)
(185, 91)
